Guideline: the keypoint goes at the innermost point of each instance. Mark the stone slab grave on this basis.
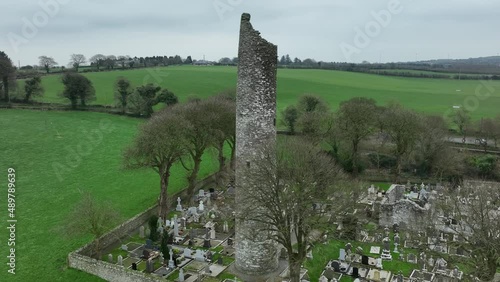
(374, 250)
(216, 269)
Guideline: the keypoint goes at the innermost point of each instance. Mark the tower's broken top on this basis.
(245, 17)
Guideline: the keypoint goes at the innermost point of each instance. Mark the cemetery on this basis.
(392, 235)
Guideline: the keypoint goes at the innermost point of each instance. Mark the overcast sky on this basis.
(327, 30)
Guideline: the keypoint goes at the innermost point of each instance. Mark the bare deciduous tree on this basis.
(159, 145)
(76, 60)
(289, 198)
(355, 119)
(91, 217)
(472, 213)
(403, 127)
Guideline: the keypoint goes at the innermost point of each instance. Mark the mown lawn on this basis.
(31, 142)
(426, 95)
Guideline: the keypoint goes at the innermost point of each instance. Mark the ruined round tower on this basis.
(255, 129)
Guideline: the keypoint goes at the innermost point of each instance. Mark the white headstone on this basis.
(171, 263)
(379, 263)
(176, 226)
(199, 255)
(179, 206)
(120, 260)
(342, 254)
(201, 193)
(201, 207)
(181, 275)
(159, 222)
(110, 258)
(141, 232)
(187, 252)
(225, 227)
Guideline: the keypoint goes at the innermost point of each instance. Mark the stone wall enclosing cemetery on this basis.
(80, 259)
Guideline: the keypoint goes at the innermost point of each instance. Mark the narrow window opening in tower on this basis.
(248, 164)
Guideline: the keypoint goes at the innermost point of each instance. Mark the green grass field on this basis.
(426, 95)
(31, 142)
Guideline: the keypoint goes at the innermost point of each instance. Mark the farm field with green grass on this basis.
(434, 96)
(31, 142)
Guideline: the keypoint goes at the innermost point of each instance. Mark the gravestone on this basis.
(120, 260)
(201, 207)
(181, 275)
(179, 206)
(386, 231)
(412, 258)
(176, 226)
(364, 260)
(110, 258)
(192, 211)
(323, 279)
(209, 255)
(431, 262)
(379, 263)
(192, 233)
(229, 241)
(201, 193)
(376, 275)
(342, 255)
(124, 247)
(355, 272)
(348, 248)
(335, 265)
(134, 266)
(187, 252)
(149, 244)
(329, 273)
(387, 244)
(145, 254)
(149, 266)
(395, 228)
(225, 227)
(159, 222)
(397, 239)
(199, 255)
(220, 261)
(207, 244)
(359, 250)
(183, 223)
(142, 232)
(171, 263)
(400, 277)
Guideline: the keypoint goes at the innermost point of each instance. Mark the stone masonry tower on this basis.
(255, 128)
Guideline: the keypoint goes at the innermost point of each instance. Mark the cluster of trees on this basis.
(395, 137)
(111, 62)
(141, 100)
(182, 133)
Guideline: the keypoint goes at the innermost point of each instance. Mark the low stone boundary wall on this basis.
(108, 271)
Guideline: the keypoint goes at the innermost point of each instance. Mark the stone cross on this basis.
(179, 206)
(171, 264)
